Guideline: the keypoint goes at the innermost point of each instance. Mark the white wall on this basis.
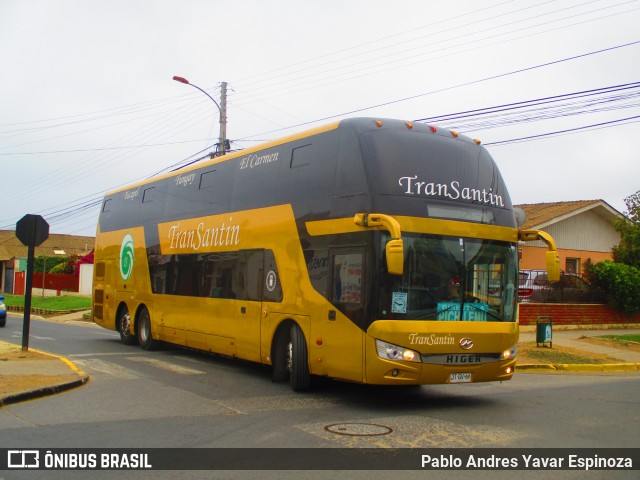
(86, 278)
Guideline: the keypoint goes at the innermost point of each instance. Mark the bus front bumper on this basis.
(385, 372)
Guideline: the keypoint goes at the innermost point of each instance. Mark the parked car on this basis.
(535, 288)
(528, 282)
(3, 312)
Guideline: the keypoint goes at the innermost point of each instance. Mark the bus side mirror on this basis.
(553, 266)
(395, 257)
(552, 259)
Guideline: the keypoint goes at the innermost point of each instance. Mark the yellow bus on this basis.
(369, 250)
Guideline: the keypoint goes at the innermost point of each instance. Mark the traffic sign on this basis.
(32, 228)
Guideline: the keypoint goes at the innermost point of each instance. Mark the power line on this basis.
(321, 79)
(126, 147)
(565, 131)
(527, 103)
(444, 89)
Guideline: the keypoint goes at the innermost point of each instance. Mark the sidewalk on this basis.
(572, 338)
(34, 374)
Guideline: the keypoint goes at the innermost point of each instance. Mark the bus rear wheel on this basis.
(144, 331)
(297, 361)
(124, 327)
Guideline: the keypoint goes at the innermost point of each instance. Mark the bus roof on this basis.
(230, 156)
(359, 125)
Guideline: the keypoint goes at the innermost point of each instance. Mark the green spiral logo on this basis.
(126, 257)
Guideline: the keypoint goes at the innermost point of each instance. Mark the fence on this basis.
(57, 282)
(534, 288)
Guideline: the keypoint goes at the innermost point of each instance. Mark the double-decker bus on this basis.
(371, 251)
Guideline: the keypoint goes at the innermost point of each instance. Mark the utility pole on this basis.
(222, 108)
(223, 118)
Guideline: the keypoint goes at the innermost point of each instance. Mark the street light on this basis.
(222, 138)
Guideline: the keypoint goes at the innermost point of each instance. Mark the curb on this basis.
(42, 392)
(48, 390)
(44, 311)
(578, 367)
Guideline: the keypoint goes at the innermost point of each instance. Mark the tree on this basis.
(620, 282)
(46, 263)
(628, 250)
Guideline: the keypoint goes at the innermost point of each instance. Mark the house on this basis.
(13, 254)
(582, 230)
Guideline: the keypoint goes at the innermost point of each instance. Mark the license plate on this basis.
(459, 378)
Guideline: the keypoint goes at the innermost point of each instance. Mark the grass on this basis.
(622, 338)
(50, 303)
(528, 352)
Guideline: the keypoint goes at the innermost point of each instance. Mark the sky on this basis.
(88, 103)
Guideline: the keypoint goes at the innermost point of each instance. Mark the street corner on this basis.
(582, 367)
(26, 375)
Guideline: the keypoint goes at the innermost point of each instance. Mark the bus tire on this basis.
(299, 377)
(124, 327)
(279, 357)
(144, 331)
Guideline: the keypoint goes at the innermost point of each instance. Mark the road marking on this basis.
(108, 334)
(108, 368)
(275, 403)
(166, 365)
(19, 335)
(192, 360)
(107, 354)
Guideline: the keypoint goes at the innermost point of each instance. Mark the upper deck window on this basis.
(301, 156)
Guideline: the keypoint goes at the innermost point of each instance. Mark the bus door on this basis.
(255, 281)
(344, 338)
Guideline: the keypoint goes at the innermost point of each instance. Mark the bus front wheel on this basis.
(144, 331)
(124, 327)
(297, 361)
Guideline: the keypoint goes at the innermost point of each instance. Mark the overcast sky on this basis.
(88, 101)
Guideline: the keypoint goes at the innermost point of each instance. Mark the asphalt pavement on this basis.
(27, 377)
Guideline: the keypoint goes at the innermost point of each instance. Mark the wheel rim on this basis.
(125, 325)
(289, 356)
(144, 328)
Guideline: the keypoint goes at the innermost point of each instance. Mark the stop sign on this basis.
(32, 228)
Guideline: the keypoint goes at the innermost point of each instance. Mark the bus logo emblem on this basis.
(271, 280)
(126, 257)
(466, 343)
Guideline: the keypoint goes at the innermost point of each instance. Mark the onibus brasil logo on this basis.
(126, 257)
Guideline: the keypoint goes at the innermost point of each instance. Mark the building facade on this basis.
(582, 230)
(13, 254)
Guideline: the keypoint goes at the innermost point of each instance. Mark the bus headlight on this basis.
(389, 351)
(510, 353)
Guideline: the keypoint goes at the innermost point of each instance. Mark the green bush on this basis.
(621, 284)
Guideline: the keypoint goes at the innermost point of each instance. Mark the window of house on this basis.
(572, 265)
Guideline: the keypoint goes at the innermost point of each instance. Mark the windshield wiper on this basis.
(485, 311)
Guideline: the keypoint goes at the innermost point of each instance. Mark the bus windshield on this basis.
(452, 279)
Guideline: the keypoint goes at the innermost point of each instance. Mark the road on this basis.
(179, 398)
